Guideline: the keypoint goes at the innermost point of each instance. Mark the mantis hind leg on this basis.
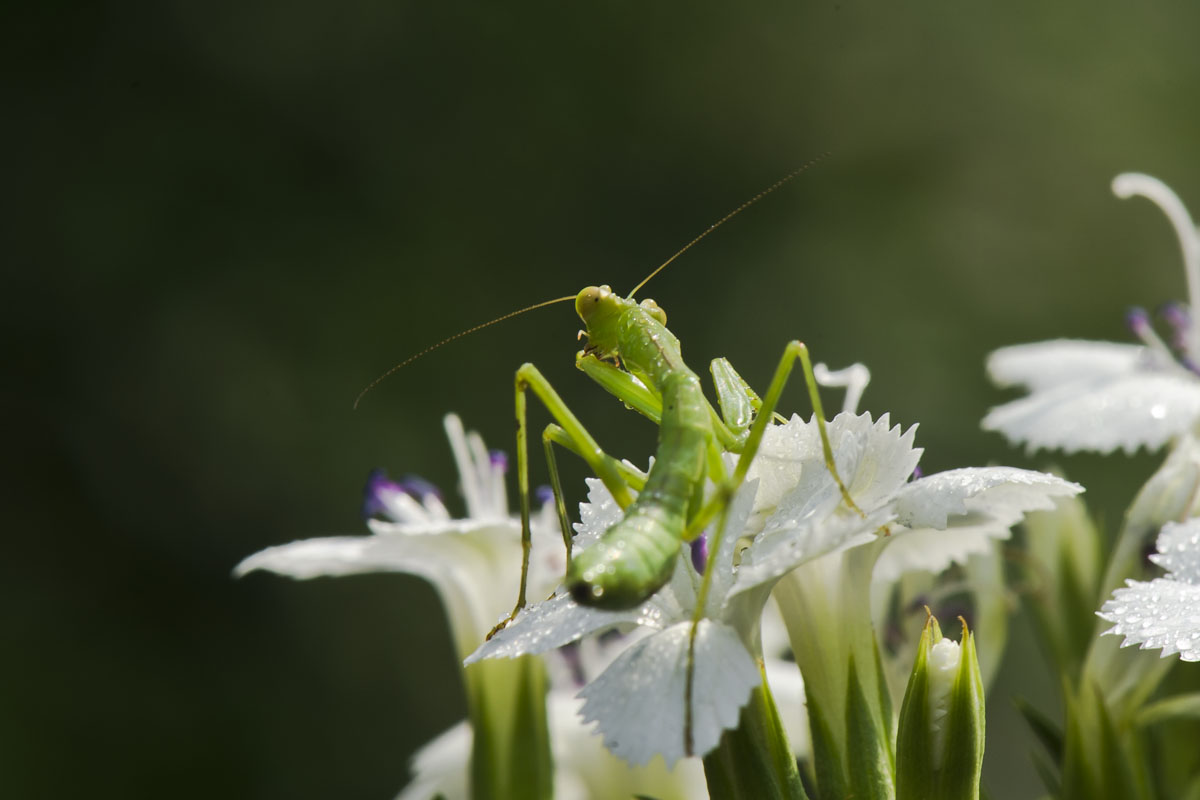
(577, 439)
(794, 351)
(555, 435)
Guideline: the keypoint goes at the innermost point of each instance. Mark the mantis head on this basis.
(601, 309)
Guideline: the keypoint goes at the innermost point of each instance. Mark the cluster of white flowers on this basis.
(1100, 396)
(789, 512)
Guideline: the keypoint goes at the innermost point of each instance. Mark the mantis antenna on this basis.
(730, 216)
(458, 335)
(544, 303)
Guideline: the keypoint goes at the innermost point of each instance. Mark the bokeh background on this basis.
(224, 220)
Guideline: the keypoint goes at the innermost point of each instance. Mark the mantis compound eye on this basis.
(590, 299)
(655, 310)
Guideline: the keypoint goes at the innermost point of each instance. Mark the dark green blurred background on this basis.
(224, 221)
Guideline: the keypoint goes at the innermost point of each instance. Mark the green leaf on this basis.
(827, 760)
(1047, 771)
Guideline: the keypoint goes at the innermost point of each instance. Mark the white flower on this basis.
(474, 563)
(789, 511)
(639, 700)
(1101, 396)
(1163, 613)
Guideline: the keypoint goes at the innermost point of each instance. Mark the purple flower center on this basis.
(418, 487)
(380, 493)
(377, 492)
(1138, 321)
(1179, 320)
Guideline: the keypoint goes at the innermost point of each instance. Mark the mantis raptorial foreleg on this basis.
(737, 400)
(635, 395)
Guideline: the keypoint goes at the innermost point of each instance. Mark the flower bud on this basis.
(939, 745)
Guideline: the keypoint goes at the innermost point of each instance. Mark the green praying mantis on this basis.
(632, 355)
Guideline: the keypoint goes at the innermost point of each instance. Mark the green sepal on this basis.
(754, 760)
(964, 740)
(867, 742)
(827, 758)
(510, 748)
(914, 745)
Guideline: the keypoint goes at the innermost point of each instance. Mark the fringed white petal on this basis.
(546, 626)
(1161, 614)
(1179, 551)
(996, 491)
(778, 551)
(929, 550)
(779, 462)
(874, 458)
(638, 702)
(476, 573)
(1045, 365)
(600, 512)
(580, 752)
(1127, 411)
